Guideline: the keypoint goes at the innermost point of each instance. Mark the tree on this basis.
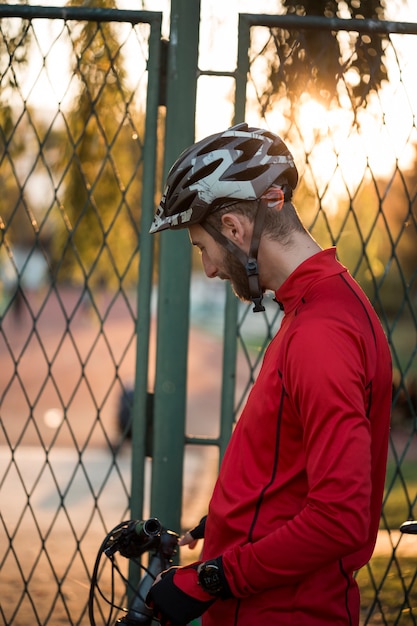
(374, 223)
(19, 236)
(312, 61)
(15, 38)
(99, 230)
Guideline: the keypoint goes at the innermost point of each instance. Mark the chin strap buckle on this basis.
(258, 306)
(254, 286)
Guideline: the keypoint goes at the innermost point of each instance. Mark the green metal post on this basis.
(145, 272)
(243, 67)
(174, 277)
(144, 287)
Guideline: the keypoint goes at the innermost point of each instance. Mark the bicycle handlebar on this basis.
(139, 612)
(132, 539)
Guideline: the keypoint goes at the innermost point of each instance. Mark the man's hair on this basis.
(278, 225)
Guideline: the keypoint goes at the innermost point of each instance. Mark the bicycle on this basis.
(132, 539)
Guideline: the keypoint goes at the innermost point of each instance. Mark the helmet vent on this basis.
(212, 146)
(277, 148)
(203, 172)
(249, 148)
(249, 173)
(178, 178)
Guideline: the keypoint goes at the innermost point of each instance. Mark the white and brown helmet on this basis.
(240, 163)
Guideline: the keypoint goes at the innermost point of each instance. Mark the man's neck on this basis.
(277, 261)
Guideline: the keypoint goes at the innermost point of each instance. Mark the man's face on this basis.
(220, 263)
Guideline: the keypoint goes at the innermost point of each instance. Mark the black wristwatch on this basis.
(210, 579)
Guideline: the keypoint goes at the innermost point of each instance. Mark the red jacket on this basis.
(296, 507)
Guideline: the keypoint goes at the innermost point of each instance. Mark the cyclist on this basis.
(296, 506)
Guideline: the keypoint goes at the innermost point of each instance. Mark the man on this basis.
(296, 507)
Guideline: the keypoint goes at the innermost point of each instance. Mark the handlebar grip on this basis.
(133, 538)
(151, 527)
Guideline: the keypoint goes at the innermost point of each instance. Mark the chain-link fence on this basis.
(75, 89)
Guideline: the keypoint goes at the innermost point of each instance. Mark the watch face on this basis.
(209, 578)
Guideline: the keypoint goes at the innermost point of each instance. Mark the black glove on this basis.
(198, 531)
(178, 597)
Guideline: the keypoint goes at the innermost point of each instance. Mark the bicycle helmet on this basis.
(241, 163)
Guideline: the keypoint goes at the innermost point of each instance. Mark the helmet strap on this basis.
(249, 262)
(252, 262)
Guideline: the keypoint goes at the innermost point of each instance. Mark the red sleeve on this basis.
(325, 379)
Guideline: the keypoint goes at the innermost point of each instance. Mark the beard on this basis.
(236, 274)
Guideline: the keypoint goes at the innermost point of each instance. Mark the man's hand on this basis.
(177, 598)
(191, 537)
(188, 540)
(178, 595)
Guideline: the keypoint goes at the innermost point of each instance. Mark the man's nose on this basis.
(210, 268)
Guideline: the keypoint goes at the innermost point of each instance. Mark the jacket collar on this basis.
(319, 266)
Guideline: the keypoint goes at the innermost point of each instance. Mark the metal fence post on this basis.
(145, 274)
(174, 277)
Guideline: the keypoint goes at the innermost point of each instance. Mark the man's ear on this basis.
(235, 227)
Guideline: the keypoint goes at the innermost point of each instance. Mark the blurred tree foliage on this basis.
(314, 61)
(375, 226)
(397, 246)
(15, 40)
(97, 237)
(375, 231)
